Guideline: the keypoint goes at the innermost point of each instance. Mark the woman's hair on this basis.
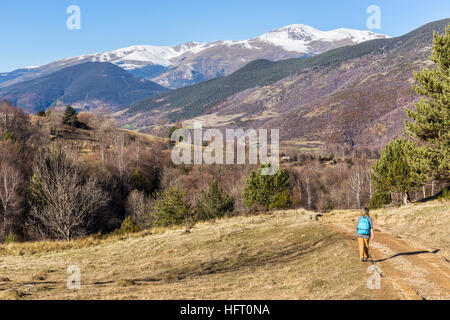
(366, 211)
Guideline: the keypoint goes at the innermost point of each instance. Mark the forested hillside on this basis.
(351, 95)
(90, 84)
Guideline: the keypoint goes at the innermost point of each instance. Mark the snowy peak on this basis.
(299, 37)
(138, 54)
(297, 32)
(193, 62)
(296, 37)
(133, 57)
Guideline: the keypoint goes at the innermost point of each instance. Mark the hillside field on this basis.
(291, 254)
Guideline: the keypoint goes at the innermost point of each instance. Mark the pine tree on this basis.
(170, 208)
(213, 203)
(70, 117)
(431, 125)
(379, 199)
(265, 189)
(394, 171)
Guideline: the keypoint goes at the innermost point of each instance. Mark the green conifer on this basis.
(431, 125)
(394, 171)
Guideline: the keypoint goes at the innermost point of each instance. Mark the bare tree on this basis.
(368, 178)
(104, 126)
(138, 151)
(297, 182)
(55, 116)
(63, 196)
(15, 122)
(168, 177)
(307, 177)
(120, 159)
(139, 207)
(357, 183)
(10, 182)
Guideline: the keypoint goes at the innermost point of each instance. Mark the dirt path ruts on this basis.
(415, 273)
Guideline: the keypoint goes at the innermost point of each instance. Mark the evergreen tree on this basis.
(70, 117)
(170, 208)
(393, 172)
(265, 189)
(213, 203)
(281, 201)
(431, 125)
(379, 199)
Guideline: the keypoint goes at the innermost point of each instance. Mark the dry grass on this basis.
(425, 223)
(44, 247)
(145, 136)
(212, 120)
(286, 255)
(12, 295)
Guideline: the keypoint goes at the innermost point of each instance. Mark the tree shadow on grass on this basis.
(243, 259)
(412, 253)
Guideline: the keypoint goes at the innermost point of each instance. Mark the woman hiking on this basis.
(364, 233)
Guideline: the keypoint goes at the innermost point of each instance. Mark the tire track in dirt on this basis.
(416, 273)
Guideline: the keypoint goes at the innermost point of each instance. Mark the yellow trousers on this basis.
(363, 244)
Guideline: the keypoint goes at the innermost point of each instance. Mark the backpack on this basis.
(364, 226)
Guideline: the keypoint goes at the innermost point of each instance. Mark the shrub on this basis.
(445, 195)
(379, 199)
(138, 181)
(127, 227)
(7, 136)
(172, 130)
(10, 238)
(213, 203)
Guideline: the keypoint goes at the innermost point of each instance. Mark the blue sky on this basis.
(35, 32)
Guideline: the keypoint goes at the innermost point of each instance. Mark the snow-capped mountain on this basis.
(302, 38)
(135, 57)
(194, 62)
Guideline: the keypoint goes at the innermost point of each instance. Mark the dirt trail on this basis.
(415, 273)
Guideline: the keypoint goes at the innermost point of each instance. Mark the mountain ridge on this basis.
(345, 95)
(193, 62)
(90, 84)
